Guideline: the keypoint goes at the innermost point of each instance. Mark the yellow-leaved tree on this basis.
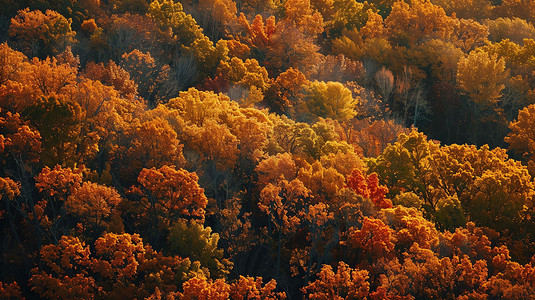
(482, 77)
(328, 100)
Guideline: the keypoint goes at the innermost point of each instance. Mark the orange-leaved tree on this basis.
(369, 187)
(346, 283)
(41, 34)
(164, 196)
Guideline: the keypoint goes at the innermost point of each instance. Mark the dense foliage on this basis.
(219, 149)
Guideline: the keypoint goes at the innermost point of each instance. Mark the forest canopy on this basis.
(220, 149)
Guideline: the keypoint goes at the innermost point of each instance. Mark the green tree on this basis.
(191, 239)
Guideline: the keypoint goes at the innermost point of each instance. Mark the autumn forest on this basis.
(267, 149)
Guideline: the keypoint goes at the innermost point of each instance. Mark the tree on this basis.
(323, 182)
(321, 139)
(41, 34)
(126, 267)
(500, 29)
(10, 290)
(144, 72)
(491, 189)
(58, 182)
(329, 100)
(318, 221)
(403, 165)
(238, 49)
(410, 24)
(112, 75)
(11, 63)
(385, 82)
(289, 136)
(59, 122)
(197, 106)
(291, 48)
(374, 27)
(470, 9)
(180, 32)
(170, 15)
(349, 15)
(237, 232)
(120, 266)
(521, 139)
(18, 141)
(370, 138)
(470, 34)
(64, 271)
(245, 74)
(93, 204)
(515, 8)
(223, 13)
(301, 15)
(283, 203)
(439, 59)
(193, 240)
(484, 178)
(55, 186)
(270, 43)
(482, 77)
(439, 277)
(119, 260)
(339, 68)
(176, 190)
(200, 287)
(121, 33)
(350, 44)
(146, 144)
(450, 213)
(94, 99)
(282, 94)
(162, 197)
(259, 33)
(346, 283)
(50, 76)
(253, 288)
(409, 228)
(255, 7)
(252, 128)
(26, 81)
(214, 143)
(369, 187)
(9, 190)
(375, 240)
(273, 168)
(499, 200)
(122, 6)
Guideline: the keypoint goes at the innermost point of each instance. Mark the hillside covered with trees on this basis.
(267, 149)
